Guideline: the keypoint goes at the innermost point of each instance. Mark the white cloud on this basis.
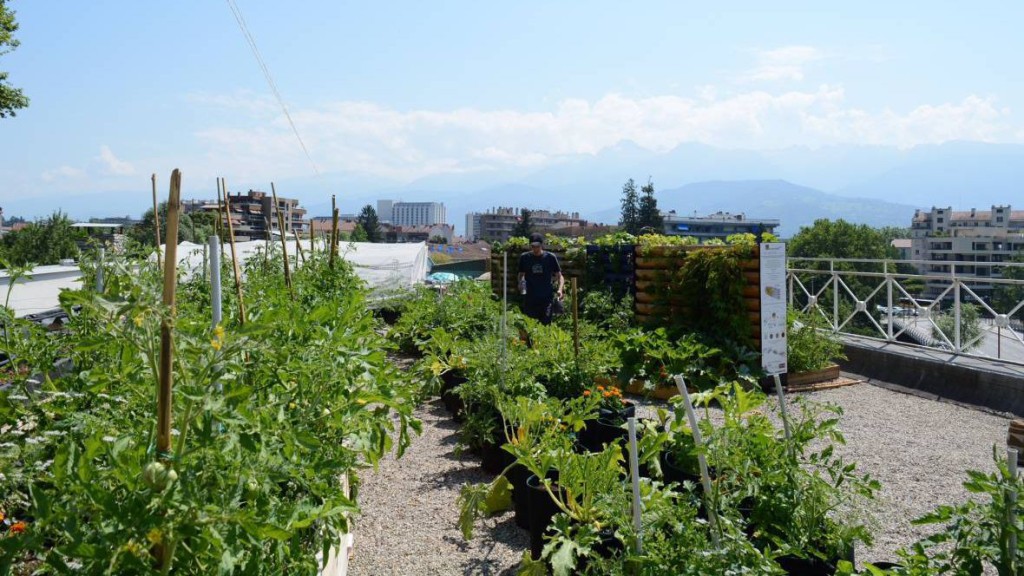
(405, 144)
(785, 63)
(113, 165)
(62, 173)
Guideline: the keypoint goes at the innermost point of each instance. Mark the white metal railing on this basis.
(894, 301)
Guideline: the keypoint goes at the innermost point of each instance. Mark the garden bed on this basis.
(918, 449)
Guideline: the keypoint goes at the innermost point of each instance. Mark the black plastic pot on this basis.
(605, 548)
(494, 459)
(517, 476)
(676, 473)
(600, 432)
(541, 509)
(628, 410)
(795, 566)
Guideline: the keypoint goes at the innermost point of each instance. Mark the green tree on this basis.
(358, 234)
(195, 227)
(970, 326)
(839, 239)
(42, 242)
(11, 98)
(630, 219)
(371, 224)
(1006, 297)
(524, 226)
(648, 214)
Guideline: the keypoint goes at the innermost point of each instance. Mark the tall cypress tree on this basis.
(524, 227)
(648, 213)
(630, 220)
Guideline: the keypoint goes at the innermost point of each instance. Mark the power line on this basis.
(270, 79)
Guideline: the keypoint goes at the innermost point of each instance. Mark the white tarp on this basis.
(39, 292)
(384, 267)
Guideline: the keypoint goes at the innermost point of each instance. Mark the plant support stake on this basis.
(698, 441)
(284, 242)
(575, 321)
(782, 406)
(1011, 509)
(156, 224)
(163, 407)
(504, 315)
(99, 271)
(234, 255)
(634, 472)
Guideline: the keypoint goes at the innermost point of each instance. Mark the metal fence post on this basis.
(888, 294)
(835, 295)
(956, 312)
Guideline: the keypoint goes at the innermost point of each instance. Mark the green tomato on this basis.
(158, 477)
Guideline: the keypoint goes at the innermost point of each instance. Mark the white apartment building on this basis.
(969, 244)
(413, 213)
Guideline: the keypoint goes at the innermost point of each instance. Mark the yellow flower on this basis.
(155, 536)
(218, 337)
(216, 344)
(361, 402)
(138, 320)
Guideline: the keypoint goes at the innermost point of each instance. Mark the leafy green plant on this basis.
(810, 344)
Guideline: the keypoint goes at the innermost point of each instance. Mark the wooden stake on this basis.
(234, 255)
(163, 404)
(284, 243)
(156, 224)
(575, 319)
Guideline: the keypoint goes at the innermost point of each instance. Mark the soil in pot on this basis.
(541, 509)
(676, 473)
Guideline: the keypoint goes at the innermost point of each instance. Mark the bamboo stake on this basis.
(234, 257)
(163, 406)
(284, 243)
(156, 224)
(575, 320)
(312, 249)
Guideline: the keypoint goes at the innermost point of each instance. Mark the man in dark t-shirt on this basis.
(538, 269)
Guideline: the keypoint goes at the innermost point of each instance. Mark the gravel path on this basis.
(409, 523)
(919, 449)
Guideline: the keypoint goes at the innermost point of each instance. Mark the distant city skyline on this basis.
(386, 97)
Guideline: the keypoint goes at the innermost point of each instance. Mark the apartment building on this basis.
(719, 225)
(254, 216)
(411, 213)
(969, 244)
(497, 223)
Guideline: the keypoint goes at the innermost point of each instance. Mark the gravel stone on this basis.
(409, 520)
(918, 448)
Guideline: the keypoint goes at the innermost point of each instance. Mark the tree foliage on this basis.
(195, 227)
(370, 224)
(630, 219)
(524, 226)
(840, 239)
(11, 98)
(647, 213)
(1005, 297)
(42, 242)
(358, 234)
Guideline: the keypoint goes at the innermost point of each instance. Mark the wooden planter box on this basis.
(807, 379)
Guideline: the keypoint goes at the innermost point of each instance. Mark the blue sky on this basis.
(393, 92)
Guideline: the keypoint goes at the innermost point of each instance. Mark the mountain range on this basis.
(875, 185)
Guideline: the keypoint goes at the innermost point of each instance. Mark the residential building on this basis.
(419, 233)
(413, 213)
(969, 244)
(254, 216)
(385, 210)
(719, 225)
(497, 223)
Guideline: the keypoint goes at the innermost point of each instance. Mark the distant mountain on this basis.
(794, 206)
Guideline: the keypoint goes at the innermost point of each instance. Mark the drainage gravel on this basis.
(919, 449)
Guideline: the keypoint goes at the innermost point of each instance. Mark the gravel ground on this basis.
(409, 521)
(917, 448)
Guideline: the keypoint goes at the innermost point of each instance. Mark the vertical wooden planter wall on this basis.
(655, 305)
(655, 267)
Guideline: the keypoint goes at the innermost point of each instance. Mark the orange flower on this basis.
(18, 527)
(2, 516)
(585, 393)
(600, 388)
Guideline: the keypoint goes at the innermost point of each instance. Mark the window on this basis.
(939, 220)
(999, 218)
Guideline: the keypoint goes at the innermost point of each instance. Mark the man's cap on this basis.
(536, 238)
